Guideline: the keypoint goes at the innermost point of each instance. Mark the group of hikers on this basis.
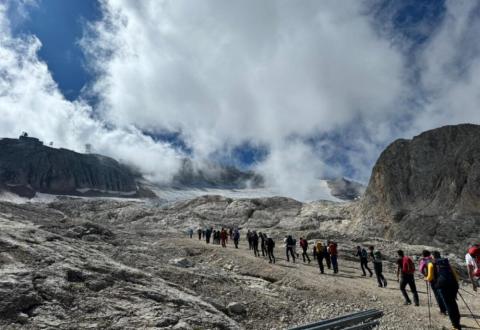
(441, 278)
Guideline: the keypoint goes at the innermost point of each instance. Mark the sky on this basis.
(296, 91)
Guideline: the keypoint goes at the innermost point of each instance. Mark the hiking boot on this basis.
(371, 274)
(407, 303)
(364, 274)
(380, 286)
(417, 304)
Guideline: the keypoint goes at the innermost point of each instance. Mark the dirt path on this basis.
(287, 294)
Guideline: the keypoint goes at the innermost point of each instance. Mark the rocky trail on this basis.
(285, 294)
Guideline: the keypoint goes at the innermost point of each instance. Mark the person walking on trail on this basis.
(405, 276)
(236, 237)
(249, 239)
(423, 269)
(304, 246)
(332, 251)
(190, 232)
(223, 237)
(319, 252)
(446, 282)
(295, 247)
(363, 255)
(199, 232)
(262, 243)
(255, 244)
(472, 259)
(208, 233)
(328, 261)
(376, 258)
(270, 243)
(289, 248)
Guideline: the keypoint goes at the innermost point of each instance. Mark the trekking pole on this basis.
(474, 317)
(428, 303)
(467, 292)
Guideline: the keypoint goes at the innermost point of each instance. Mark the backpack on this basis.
(270, 242)
(407, 265)
(377, 256)
(320, 249)
(363, 254)
(443, 273)
(423, 268)
(474, 252)
(333, 249)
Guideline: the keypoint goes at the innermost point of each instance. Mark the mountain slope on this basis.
(427, 188)
(27, 167)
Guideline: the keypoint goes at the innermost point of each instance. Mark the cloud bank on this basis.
(318, 85)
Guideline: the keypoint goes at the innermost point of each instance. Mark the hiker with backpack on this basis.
(289, 247)
(262, 243)
(472, 259)
(363, 255)
(249, 239)
(208, 234)
(327, 255)
(199, 232)
(423, 269)
(223, 237)
(304, 246)
(445, 280)
(236, 237)
(270, 243)
(254, 238)
(405, 276)
(376, 258)
(319, 252)
(332, 250)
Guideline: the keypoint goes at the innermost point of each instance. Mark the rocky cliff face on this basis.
(27, 166)
(427, 188)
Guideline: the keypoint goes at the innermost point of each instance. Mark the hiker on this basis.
(319, 252)
(190, 232)
(376, 258)
(249, 239)
(199, 231)
(230, 233)
(327, 255)
(363, 255)
(208, 233)
(406, 269)
(254, 238)
(217, 237)
(446, 282)
(332, 250)
(262, 244)
(236, 237)
(472, 259)
(295, 247)
(270, 243)
(304, 246)
(289, 248)
(223, 237)
(423, 269)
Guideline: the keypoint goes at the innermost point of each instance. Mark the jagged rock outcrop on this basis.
(427, 189)
(27, 166)
(345, 189)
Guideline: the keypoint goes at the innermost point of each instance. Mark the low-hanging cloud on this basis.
(309, 83)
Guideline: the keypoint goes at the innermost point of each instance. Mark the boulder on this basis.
(236, 308)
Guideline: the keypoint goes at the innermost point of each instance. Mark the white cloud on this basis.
(227, 73)
(450, 69)
(31, 101)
